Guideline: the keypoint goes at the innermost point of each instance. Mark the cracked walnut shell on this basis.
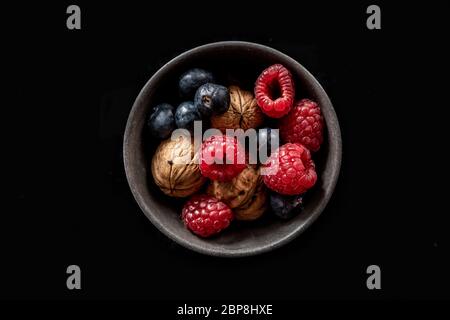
(245, 194)
(243, 112)
(175, 167)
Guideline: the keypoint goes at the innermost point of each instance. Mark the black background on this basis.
(67, 100)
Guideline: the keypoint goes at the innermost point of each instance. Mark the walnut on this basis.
(245, 194)
(175, 169)
(243, 112)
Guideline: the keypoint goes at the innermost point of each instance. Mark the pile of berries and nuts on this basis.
(236, 190)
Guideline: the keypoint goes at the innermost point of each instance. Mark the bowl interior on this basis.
(240, 64)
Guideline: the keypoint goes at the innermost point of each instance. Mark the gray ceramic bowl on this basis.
(239, 62)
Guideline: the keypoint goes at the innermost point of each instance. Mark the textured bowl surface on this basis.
(241, 62)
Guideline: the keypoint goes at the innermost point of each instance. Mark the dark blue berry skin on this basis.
(267, 138)
(162, 121)
(186, 114)
(191, 80)
(212, 98)
(286, 207)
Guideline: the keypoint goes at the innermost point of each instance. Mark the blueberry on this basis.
(162, 121)
(186, 114)
(268, 139)
(191, 80)
(286, 207)
(212, 98)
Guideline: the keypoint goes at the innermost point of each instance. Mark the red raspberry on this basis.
(205, 215)
(295, 171)
(222, 158)
(273, 80)
(303, 124)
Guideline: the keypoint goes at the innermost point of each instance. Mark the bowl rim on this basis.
(241, 252)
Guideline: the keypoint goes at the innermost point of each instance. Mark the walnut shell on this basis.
(175, 169)
(243, 112)
(245, 194)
